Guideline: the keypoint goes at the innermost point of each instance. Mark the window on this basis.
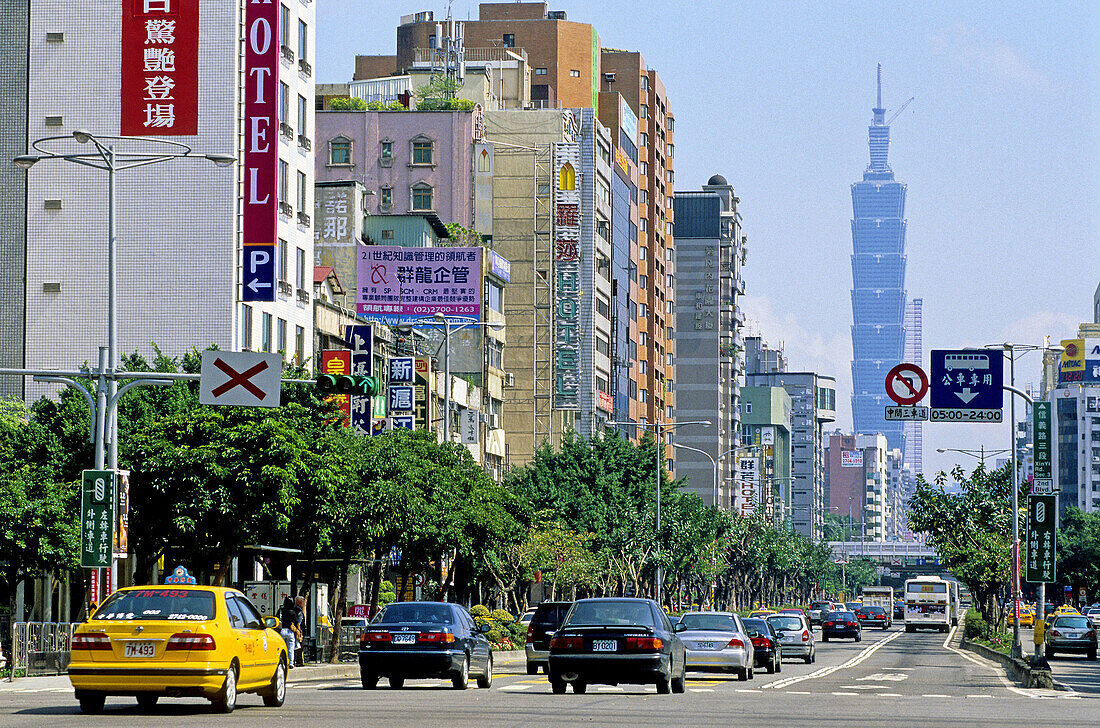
(671, 126)
(670, 177)
(339, 151)
(642, 338)
(246, 327)
(643, 112)
(387, 234)
(282, 254)
(299, 345)
(632, 389)
(644, 169)
(280, 337)
(303, 38)
(604, 191)
(642, 366)
(540, 71)
(432, 41)
(508, 40)
(422, 151)
(386, 196)
(603, 308)
(495, 296)
(603, 345)
(645, 82)
(284, 103)
(642, 253)
(300, 271)
(303, 191)
(642, 393)
(643, 199)
(495, 353)
(671, 148)
(284, 26)
(605, 153)
(643, 139)
(643, 311)
(387, 150)
(643, 282)
(284, 182)
(265, 334)
(303, 116)
(574, 73)
(645, 222)
(748, 408)
(422, 196)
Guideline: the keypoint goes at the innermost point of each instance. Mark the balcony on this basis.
(304, 142)
(286, 130)
(304, 68)
(285, 289)
(303, 219)
(285, 208)
(303, 295)
(288, 53)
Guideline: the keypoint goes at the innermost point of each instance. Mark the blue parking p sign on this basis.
(966, 385)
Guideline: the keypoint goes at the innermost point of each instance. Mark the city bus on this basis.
(928, 604)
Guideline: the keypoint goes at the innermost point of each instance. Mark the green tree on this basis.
(440, 94)
(344, 103)
(1079, 550)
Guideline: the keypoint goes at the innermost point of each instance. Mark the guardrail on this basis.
(41, 648)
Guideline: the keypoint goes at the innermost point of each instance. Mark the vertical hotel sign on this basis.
(160, 68)
(567, 277)
(261, 151)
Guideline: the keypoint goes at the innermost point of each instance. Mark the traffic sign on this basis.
(258, 282)
(1040, 421)
(97, 518)
(915, 412)
(906, 384)
(240, 378)
(967, 385)
(1042, 486)
(1042, 538)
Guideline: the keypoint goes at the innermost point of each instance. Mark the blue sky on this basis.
(1000, 150)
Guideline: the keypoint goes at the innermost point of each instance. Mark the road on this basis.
(889, 679)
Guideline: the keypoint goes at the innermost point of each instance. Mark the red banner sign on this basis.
(160, 68)
(261, 145)
(338, 362)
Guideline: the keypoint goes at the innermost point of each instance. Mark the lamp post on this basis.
(714, 461)
(106, 157)
(981, 454)
(445, 321)
(1010, 350)
(658, 427)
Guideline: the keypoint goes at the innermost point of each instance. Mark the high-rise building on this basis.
(1096, 305)
(709, 249)
(766, 425)
(181, 232)
(878, 283)
(914, 354)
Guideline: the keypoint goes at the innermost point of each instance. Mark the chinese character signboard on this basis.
(122, 519)
(747, 480)
(397, 284)
(851, 458)
(1040, 420)
(967, 385)
(1083, 365)
(422, 392)
(361, 407)
(1041, 538)
(261, 149)
(97, 518)
(160, 68)
(338, 363)
(567, 277)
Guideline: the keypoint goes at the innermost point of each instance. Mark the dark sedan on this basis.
(873, 617)
(613, 641)
(841, 624)
(424, 640)
(765, 644)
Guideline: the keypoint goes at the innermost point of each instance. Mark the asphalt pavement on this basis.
(889, 679)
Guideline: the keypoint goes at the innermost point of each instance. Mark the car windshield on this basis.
(756, 627)
(785, 623)
(175, 604)
(417, 612)
(709, 622)
(609, 612)
(842, 616)
(1072, 623)
(551, 614)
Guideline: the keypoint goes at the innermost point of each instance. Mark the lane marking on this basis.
(516, 688)
(885, 676)
(935, 695)
(858, 659)
(996, 669)
(888, 695)
(701, 690)
(862, 687)
(609, 689)
(798, 692)
(747, 690)
(979, 696)
(835, 693)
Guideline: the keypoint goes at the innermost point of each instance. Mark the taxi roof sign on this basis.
(180, 575)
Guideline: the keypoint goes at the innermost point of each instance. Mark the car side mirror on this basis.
(679, 627)
(271, 623)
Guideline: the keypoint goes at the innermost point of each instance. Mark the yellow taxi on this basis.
(1027, 617)
(178, 640)
(761, 613)
(1066, 609)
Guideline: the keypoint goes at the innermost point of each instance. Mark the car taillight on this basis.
(437, 637)
(531, 633)
(190, 641)
(828, 624)
(566, 643)
(737, 643)
(1090, 633)
(90, 641)
(805, 636)
(853, 624)
(377, 637)
(650, 644)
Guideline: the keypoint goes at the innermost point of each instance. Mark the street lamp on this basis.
(143, 152)
(445, 321)
(657, 428)
(981, 454)
(1010, 350)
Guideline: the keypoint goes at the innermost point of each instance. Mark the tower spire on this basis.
(879, 104)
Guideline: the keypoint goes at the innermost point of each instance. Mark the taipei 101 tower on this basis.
(878, 282)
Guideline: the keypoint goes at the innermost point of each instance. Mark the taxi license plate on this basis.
(704, 645)
(404, 639)
(140, 649)
(604, 645)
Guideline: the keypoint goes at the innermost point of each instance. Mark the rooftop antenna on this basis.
(879, 104)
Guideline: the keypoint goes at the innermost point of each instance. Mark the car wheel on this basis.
(743, 674)
(226, 699)
(147, 701)
(396, 682)
(486, 680)
(579, 688)
(859, 637)
(532, 668)
(809, 658)
(276, 694)
(664, 687)
(91, 701)
(461, 681)
(910, 628)
(778, 662)
(1092, 655)
(770, 667)
(369, 679)
(558, 686)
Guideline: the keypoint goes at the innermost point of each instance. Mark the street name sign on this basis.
(906, 384)
(1042, 539)
(914, 412)
(967, 385)
(97, 518)
(1043, 482)
(240, 378)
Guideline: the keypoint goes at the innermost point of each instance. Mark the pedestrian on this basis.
(300, 625)
(288, 628)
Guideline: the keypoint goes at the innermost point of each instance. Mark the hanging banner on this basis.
(160, 68)
(97, 518)
(567, 277)
(397, 284)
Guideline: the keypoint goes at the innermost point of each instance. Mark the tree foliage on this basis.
(1078, 550)
(345, 103)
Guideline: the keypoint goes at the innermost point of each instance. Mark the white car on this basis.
(3, 660)
(1093, 613)
(795, 635)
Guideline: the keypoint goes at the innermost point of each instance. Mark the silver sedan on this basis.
(795, 635)
(716, 642)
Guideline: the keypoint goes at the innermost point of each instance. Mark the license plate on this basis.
(404, 639)
(787, 638)
(140, 649)
(604, 645)
(704, 645)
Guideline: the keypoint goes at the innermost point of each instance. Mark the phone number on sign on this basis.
(966, 415)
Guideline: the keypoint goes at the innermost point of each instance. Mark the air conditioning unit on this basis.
(494, 422)
(509, 379)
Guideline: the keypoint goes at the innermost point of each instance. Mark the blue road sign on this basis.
(966, 385)
(258, 282)
(359, 338)
(401, 370)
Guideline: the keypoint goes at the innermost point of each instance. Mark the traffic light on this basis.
(347, 384)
